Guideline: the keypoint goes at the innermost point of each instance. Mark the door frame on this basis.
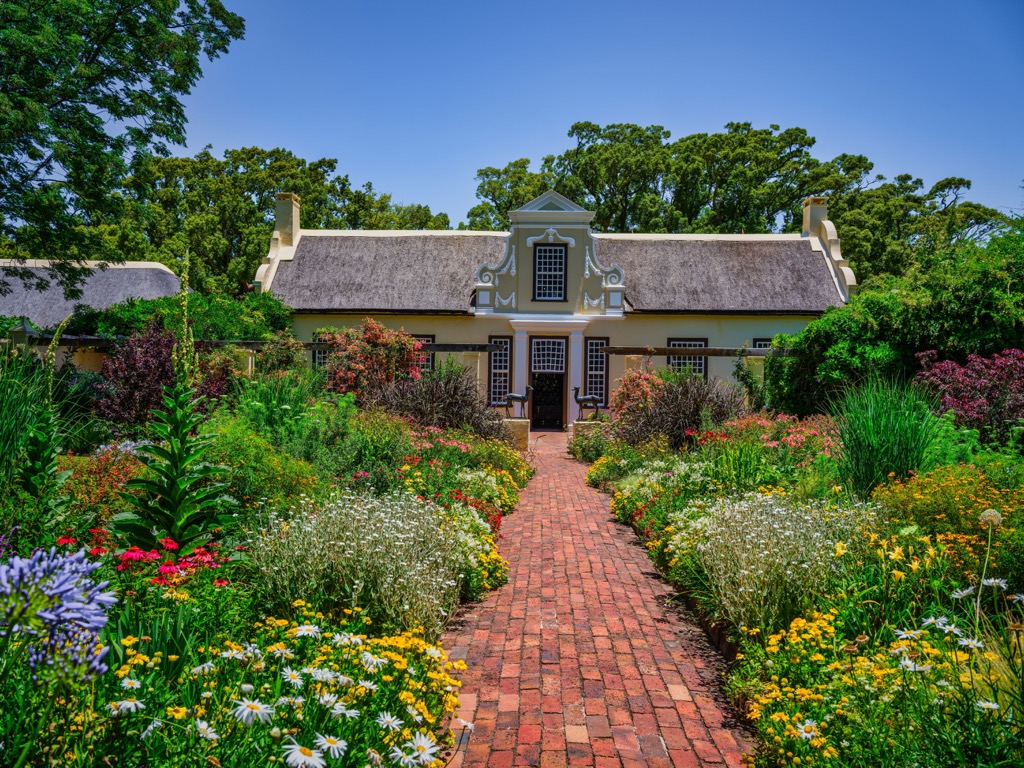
(564, 374)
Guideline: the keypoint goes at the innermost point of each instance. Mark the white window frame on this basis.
(547, 354)
(499, 371)
(549, 271)
(698, 364)
(595, 363)
(426, 363)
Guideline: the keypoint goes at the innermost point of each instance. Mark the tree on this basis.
(87, 89)
(506, 189)
(222, 211)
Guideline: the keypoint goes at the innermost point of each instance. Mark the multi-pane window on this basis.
(426, 361)
(500, 379)
(764, 343)
(596, 379)
(549, 272)
(547, 355)
(696, 364)
(320, 354)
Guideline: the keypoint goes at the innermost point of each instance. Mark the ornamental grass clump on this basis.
(885, 429)
(763, 558)
(401, 558)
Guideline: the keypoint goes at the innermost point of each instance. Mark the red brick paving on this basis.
(576, 661)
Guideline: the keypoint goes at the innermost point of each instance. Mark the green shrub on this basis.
(276, 404)
(886, 429)
(399, 557)
(257, 472)
(590, 443)
(22, 389)
(671, 404)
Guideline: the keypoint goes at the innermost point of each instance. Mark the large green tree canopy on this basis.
(87, 89)
(743, 179)
(221, 211)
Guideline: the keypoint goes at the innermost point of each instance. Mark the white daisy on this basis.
(334, 747)
(989, 706)
(400, 758)
(344, 681)
(340, 710)
(307, 630)
(373, 757)
(321, 675)
(130, 684)
(970, 642)
(150, 728)
(247, 712)
(282, 652)
(205, 731)
(433, 652)
(231, 653)
(962, 593)
(466, 724)
(370, 662)
(909, 664)
(328, 699)
(298, 756)
(908, 634)
(414, 713)
(125, 705)
(1001, 583)
(203, 669)
(206, 694)
(422, 747)
(293, 678)
(368, 685)
(809, 730)
(389, 721)
(253, 650)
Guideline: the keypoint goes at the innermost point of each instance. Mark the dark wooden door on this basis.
(548, 399)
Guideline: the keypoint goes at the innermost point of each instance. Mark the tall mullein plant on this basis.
(180, 497)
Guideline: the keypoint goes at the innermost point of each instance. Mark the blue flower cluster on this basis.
(50, 606)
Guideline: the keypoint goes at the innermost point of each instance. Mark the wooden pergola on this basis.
(698, 351)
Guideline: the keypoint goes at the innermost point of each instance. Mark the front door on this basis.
(547, 377)
(547, 399)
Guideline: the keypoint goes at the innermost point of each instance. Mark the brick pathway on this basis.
(576, 661)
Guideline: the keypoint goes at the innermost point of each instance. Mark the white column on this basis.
(520, 360)
(575, 367)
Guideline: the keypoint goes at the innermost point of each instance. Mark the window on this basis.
(762, 344)
(500, 374)
(595, 380)
(426, 358)
(549, 272)
(548, 355)
(320, 354)
(697, 365)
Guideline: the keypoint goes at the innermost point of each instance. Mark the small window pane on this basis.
(597, 369)
(426, 362)
(501, 370)
(549, 273)
(548, 356)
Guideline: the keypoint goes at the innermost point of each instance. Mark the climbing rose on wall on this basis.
(365, 359)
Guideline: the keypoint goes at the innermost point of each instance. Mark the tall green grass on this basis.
(23, 391)
(885, 428)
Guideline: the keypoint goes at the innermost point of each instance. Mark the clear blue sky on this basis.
(416, 97)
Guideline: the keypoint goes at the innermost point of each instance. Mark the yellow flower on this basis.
(178, 713)
(129, 641)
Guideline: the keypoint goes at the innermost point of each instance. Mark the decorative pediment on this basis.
(552, 202)
(551, 236)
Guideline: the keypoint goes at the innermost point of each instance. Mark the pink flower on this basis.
(168, 567)
(133, 553)
(168, 544)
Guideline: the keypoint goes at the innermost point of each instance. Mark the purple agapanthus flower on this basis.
(51, 600)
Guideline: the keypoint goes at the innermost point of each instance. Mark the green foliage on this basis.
(281, 353)
(957, 301)
(22, 389)
(88, 89)
(180, 497)
(886, 429)
(253, 317)
(590, 443)
(222, 210)
(277, 405)
(254, 471)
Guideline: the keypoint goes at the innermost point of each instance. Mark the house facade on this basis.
(551, 294)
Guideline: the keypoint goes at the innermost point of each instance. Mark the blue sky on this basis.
(416, 97)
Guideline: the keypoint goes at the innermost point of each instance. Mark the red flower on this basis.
(97, 551)
(66, 541)
(220, 582)
(160, 581)
(168, 567)
(168, 544)
(133, 553)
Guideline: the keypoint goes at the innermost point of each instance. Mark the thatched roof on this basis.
(721, 274)
(396, 271)
(116, 283)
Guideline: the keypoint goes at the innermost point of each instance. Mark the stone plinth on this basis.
(520, 429)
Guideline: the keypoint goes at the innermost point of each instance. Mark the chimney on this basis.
(815, 212)
(286, 217)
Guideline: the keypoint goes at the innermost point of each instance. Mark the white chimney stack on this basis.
(286, 217)
(815, 212)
